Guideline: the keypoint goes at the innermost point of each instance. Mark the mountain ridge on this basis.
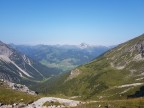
(116, 74)
(17, 67)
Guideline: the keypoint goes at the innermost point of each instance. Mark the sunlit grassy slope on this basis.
(9, 96)
(104, 78)
(131, 103)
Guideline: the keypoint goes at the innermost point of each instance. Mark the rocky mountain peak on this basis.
(83, 45)
(4, 50)
(1, 43)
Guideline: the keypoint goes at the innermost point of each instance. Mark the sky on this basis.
(95, 22)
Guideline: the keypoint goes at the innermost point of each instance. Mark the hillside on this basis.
(117, 74)
(17, 67)
(62, 57)
(10, 98)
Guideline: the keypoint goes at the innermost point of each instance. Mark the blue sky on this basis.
(96, 22)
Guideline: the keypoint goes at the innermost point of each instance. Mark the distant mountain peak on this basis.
(84, 45)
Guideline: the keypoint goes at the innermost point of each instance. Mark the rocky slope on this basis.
(15, 95)
(17, 87)
(17, 67)
(117, 74)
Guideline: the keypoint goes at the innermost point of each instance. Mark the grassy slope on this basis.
(131, 103)
(9, 96)
(98, 78)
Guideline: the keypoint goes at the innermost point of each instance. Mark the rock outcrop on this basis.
(74, 73)
(18, 87)
(64, 103)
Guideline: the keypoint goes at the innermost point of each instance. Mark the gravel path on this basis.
(66, 103)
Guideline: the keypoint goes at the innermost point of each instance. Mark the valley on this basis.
(71, 54)
(62, 57)
(116, 74)
(113, 80)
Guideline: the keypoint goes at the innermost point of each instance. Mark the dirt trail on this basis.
(65, 102)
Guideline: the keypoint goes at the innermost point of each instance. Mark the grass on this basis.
(99, 78)
(9, 96)
(129, 103)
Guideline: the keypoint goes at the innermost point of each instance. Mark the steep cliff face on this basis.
(17, 67)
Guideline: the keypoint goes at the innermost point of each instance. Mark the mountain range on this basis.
(116, 74)
(17, 67)
(62, 57)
